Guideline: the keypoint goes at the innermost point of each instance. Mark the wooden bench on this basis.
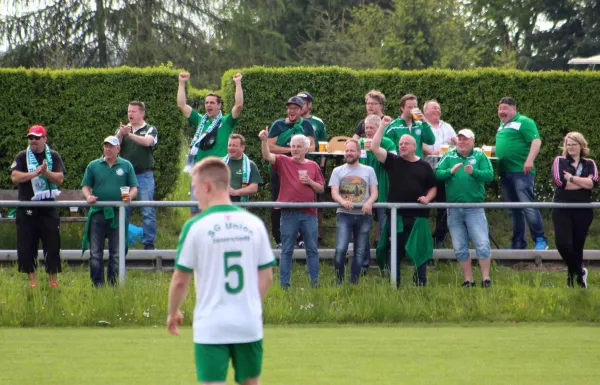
(65, 195)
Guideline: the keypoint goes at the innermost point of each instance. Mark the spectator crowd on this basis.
(415, 158)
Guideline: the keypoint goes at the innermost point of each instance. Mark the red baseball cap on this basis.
(38, 131)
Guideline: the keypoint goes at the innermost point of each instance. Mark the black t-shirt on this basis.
(408, 182)
(360, 129)
(585, 168)
(20, 164)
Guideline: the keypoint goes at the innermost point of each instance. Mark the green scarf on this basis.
(245, 173)
(284, 138)
(419, 246)
(109, 214)
(42, 188)
(198, 136)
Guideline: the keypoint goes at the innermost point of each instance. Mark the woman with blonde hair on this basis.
(574, 176)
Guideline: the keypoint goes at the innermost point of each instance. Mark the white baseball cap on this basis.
(467, 133)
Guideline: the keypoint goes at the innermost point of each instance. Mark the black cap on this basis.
(508, 101)
(295, 100)
(306, 96)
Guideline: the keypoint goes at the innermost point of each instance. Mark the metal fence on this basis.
(392, 206)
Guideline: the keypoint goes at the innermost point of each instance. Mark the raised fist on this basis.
(184, 77)
(237, 78)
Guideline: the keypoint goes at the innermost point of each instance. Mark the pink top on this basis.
(291, 189)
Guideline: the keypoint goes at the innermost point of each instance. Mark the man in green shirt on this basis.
(465, 172)
(102, 182)
(213, 128)
(320, 136)
(138, 139)
(517, 145)
(412, 122)
(245, 176)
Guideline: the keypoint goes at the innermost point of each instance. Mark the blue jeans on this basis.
(469, 224)
(360, 226)
(146, 193)
(381, 217)
(292, 222)
(99, 230)
(518, 187)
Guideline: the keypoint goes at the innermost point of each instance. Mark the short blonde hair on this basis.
(577, 137)
(376, 95)
(213, 169)
(356, 142)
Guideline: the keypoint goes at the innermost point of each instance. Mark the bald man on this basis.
(415, 184)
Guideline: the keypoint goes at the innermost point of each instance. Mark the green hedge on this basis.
(81, 107)
(555, 100)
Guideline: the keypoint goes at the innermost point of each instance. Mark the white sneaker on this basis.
(584, 277)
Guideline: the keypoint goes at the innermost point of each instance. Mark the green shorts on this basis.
(212, 361)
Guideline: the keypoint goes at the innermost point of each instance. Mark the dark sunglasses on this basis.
(33, 137)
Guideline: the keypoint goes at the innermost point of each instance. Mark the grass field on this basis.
(479, 354)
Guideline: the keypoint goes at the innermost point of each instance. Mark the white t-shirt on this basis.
(225, 246)
(442, 134)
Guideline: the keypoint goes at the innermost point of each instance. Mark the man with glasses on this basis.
(375, 104)
(38, 171)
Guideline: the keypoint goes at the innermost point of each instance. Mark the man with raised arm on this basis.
(414, 182)
(302, 178)
(213, 128)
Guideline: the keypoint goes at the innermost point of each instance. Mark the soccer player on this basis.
(228, 251)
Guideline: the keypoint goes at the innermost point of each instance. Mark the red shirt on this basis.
(291, 189)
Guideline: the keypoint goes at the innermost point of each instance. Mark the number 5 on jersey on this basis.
(233, 268)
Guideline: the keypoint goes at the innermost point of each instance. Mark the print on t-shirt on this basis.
(353, 188)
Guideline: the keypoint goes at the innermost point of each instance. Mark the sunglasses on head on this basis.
(33, 137)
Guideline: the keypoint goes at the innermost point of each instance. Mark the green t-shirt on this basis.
(140, 157)
(513, 141)
(235, 168)
(421, 131)
(106, 181)
(219, 149)
(462, 187)
(369, 159)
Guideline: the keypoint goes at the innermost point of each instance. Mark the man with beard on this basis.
(212, 129)
(279, 141)
(353, 183)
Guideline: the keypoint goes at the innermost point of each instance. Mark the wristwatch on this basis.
(571, 179)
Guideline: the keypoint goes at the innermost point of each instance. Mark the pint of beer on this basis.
(487, 150)
(367, 143)
(444, 148)
(415, 112)
(125, 193)
(322, 146)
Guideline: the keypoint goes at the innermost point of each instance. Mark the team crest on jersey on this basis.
(418, 131)
(227, 217)
(120, 172)
(472, 162)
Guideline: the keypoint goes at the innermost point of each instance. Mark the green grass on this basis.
(480, 354)
(516, 296)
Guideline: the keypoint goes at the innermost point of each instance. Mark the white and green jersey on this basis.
(224, 247)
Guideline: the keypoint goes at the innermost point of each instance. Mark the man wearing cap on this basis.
(320, 136)
(411, 122)
(280, 136)
(138, 139)
(102, 182)
(212, 129)
(465, 172)
(517, 145)
(38, 171)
